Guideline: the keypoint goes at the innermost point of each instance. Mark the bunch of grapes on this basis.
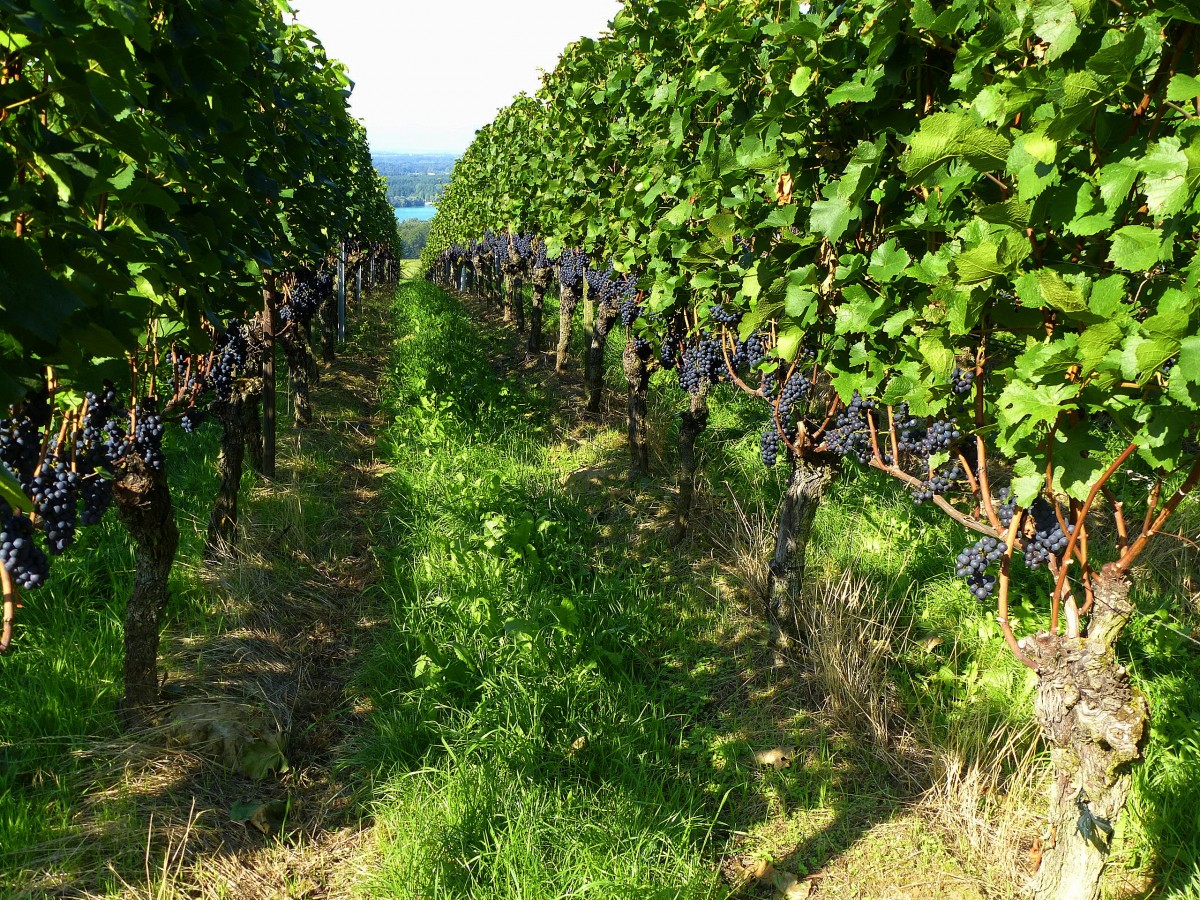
(571, 268)
(794, 391)
(938, 483)
(770, 447)
(55, 495)
(1005, 507)
(973, 563)
(523, 244)
(850, 435)
(701, 361)
(191, 420)
(148, 433)
(540, 260)
(750, 352)
(231, 353)
(19, 552)
(1048, 540)
(725, 315)
(961, 380)
(301, 305)
(766, 387)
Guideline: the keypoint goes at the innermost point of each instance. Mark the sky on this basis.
(428, 73)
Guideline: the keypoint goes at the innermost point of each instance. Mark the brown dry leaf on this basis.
(779, 757)
(580, 743)
(790, 887)
(761, 869)
(783, 189)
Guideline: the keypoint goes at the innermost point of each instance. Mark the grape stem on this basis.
(10, 609)
(1081, 517)
(1002, 602)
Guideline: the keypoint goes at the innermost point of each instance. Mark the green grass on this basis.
(63, 676)
(550, 707)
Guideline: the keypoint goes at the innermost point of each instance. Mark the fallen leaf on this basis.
(783, 189)
(779, 757)
(267, 817)
(790, 887)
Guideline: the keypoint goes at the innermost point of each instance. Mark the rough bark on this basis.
(637, 375)
(327, 325)
(222, 522)
(541, 282)
(295, 351)
(693, 422)
(569, 298)
(797, 511)
(144, 507)
(253, 429)
(593, 374)
(1095, 721)
(456, 274)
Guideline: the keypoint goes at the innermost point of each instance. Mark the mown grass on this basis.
(563, 706)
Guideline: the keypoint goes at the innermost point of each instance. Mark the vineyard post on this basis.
(268, 390)
(341, 293)
(358, 281)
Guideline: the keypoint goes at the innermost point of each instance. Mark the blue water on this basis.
(414, 212)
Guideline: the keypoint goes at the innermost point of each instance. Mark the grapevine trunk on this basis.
(541, 281)
(797, 511)
(299, 371)
(593, 375)
(566, 314)
(222, 522)
(694, 422)
(637, 374)
(1096, 724)
(144, 508)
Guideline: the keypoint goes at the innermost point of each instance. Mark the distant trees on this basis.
(413, 234)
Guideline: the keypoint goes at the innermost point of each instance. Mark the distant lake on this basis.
(415, 212)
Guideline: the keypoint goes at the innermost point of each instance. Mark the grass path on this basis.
(494, 679)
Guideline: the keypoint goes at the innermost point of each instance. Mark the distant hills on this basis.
(414, 179)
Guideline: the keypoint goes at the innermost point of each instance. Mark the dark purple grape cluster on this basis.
(1005, 506)
(750, 352)
(231, 353)
(571, 268)
(941, 481)
(1048, 540)
(729, 316)
(540, 260)
(702, 361)
(973, 563)
(523, 244)
(795, 389)
(766, 387)
(148, 433)
(189, 379)
(301, 304)
(19, 552)
(850, 435)
(770, 447)
(55, 495)
(962, 380)
(191, 420)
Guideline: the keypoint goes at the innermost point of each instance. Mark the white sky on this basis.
(428, 73)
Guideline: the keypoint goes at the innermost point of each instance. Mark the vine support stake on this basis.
(268, 395)
(341, 293)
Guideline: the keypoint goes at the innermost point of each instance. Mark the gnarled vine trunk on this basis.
(1095, 721)
(604, 317)
(222, 521)
(797, 512)
(253, 427)
(569, 298)
(637, 375)
(693, 421)
(295, 351)
(541, 282)
(144, 507)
